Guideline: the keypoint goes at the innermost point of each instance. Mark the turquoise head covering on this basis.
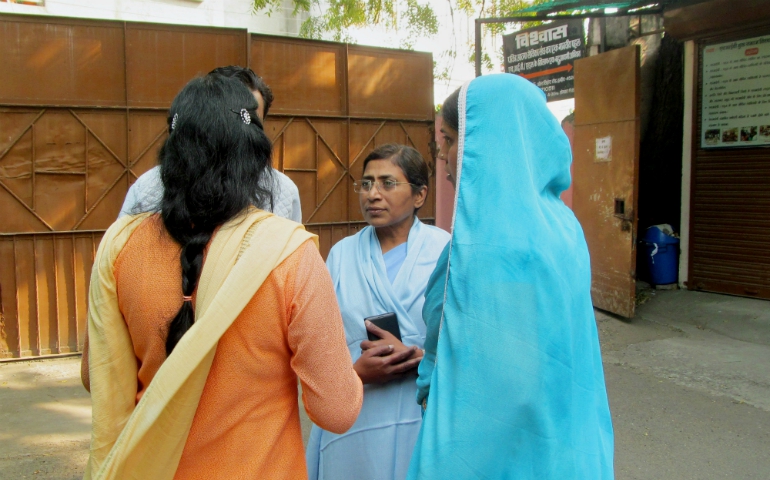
(516, 388)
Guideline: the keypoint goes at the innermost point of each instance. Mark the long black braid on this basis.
(212, 168)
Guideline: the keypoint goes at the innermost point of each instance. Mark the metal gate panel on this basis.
(9, 329)
(16, 216)
(730, 228)
(26, 295)
(60, 199)
(161, 59)
(422, 139)
(64, 284)
(274, 128)
(146, 134)
(101, 216)
(330, 234)
(605, 186)
(332, 165)
(306, 77)
(390, 84)
(15, 153)
(44, 294)
(313, 153)
(52, 61)
(65, 166)
(299, 145)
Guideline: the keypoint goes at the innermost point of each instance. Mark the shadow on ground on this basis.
(688, 381)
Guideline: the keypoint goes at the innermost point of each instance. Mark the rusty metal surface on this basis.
(325, 156)
(65, 165)
(391, 84)
(306, 77)
(61, 62)
(61, 169)
(161, 59)
(730, 233)
(607, 105)
(45, 280)
(708, 18)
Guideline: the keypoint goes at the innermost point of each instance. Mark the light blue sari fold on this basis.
(380, 443)
(513, 371)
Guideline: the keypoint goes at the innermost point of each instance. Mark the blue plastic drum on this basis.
(662, 254)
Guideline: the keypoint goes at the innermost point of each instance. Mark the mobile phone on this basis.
(387, 322)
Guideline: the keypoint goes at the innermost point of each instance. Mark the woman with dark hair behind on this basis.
(146, 193)
(202, 317)
(382, 269)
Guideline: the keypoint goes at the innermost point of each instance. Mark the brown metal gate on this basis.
(605, 194)
(334, 103)
(83, 111)
(730, 201)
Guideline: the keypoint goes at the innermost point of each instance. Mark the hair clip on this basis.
(173, 121)
(245, 116)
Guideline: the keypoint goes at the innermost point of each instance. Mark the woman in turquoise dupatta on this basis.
(383, 268)
(512, 380)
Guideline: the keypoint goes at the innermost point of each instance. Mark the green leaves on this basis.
(410, 20)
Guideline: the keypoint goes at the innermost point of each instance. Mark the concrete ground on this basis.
(45, 420)
(689, 387)
(688, 381)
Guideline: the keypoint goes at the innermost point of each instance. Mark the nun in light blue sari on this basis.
(369, 282)
(512, 379)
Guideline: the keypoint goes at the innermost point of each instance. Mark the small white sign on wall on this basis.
(603, 149)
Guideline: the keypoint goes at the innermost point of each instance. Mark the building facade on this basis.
(209, 13)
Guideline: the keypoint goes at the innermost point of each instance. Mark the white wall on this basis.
(213, 13)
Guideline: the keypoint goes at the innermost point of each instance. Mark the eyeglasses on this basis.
(365, 186)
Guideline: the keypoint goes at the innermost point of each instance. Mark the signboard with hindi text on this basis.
(735, 93)
(545, 55)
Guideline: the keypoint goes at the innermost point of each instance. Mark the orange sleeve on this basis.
(331, 390)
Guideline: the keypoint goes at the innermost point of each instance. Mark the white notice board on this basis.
(735, 99)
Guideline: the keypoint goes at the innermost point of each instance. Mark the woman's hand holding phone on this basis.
(386, 359)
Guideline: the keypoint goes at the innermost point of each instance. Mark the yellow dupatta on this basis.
(146, 440)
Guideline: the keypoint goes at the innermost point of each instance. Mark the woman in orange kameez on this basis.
(202, 316)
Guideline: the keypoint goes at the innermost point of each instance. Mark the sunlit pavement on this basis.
(688, 381)
(45, 418)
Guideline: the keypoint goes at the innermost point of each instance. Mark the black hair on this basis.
(449, 110)
(406, 158)
(254, 82)
(212, 168)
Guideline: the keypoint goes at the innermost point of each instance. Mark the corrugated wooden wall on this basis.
(83, 112)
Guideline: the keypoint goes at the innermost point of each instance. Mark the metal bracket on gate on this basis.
(620, 213)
